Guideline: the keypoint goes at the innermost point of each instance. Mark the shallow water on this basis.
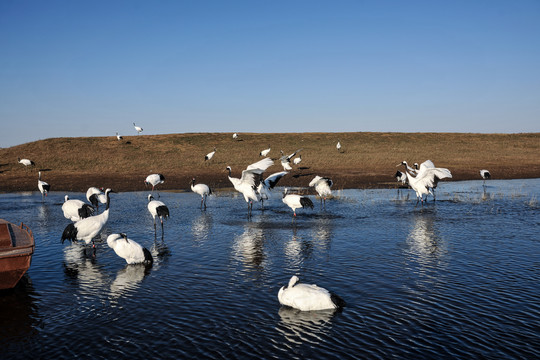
(456, 278)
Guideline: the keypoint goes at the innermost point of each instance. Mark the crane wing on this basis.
(273, 179)
(260, 166)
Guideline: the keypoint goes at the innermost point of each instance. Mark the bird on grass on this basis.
(322, 187)
(129, 250)
(154, 180)
(43, 187)
(86, 229)
(286, 159)
(26, 162)
(119, 137)
(138, 129)
(201, 189)
(338, 146)
(296, 201)
(268, 184)
(307, 297)
(210, 155)
(157, 209)
(486, 175)
(246, 184)
(265, 151)
(297, 160)
(76, 210)
(235, 136)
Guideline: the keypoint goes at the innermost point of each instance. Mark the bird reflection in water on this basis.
(296, 325)
(128, 279)
(200, 227)
(248, 247)
(82, 268)
(424, 242)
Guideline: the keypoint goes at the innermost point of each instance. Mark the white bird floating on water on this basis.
(296, 201)
(486, 175)
(426, 179)
(76, 210)
(154, 180)
(86, 229)
(43, 187)
(265, 151)
(322, 187)
(157, 209)
(268, 184)
(26, 162)
(307, 297)
(138, 129)
(201, 189)
(210, 155)
(129, 250)
(246, 184)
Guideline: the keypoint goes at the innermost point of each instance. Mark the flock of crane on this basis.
(85, 226)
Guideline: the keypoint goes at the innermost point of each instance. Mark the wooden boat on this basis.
(16, 249)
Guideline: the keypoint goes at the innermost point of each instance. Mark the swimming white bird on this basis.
(76, 210)
(268, 184)
(92, 195)
(210, 155)
(486, 175)
(26, 162)
(297, 160)
(306, 297)
(157, 209)
(119, 137)
(86, 229)
(129, 250)
(43, 187)
(425, 179)
(201, 189)
(286, 159)
(154, 180)
(338, 146)
(138, 129)
(265, 151)
(246, 184)
(322, 187)
(295, 201)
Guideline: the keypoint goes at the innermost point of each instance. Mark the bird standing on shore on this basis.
(297, 160)
(338, 146)
(265, 151)
(129, 250)
(307, 297)
(76, 210)
(118, 137)
(43, 187)
(246, 184)
(138, 129)
(322, 187)
(210, 155)
(26, 162)
(201, 189)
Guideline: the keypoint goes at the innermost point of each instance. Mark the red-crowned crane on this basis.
(268, 184)
(306, 297)
(129, 250)
(210, 155)
(157, 209)
(76, 210)
(154, 180)
(138, 129)
(201, 189)
(322, 186)
(296, 201)
(43, 187)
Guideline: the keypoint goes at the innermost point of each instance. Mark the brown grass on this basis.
(368, 160)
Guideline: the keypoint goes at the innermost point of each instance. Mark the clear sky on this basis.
(92, 68)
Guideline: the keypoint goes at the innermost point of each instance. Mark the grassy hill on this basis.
(367, 160)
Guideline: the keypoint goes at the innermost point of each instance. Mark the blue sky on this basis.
(91, 68)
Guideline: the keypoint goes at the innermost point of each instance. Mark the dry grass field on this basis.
(367, 160)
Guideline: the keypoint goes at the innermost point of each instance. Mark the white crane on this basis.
(297, 160)
(157, 209)
(154, 180)
(268, 184)
(26, 162)
(307, 297)
(265, 151)
(86, 229)
(138, 129)
(201, 189)
(210, 155)
(401, 177)
(338, 146)
(43, 187)
(425, 179)
(93, 196)
(296, 201)
(486, 175)
(129, 250)
(76, 210)
(322, 187)
(235, 136)
(428, 164)
(118, 137)
(246, 184)
(286, 159)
